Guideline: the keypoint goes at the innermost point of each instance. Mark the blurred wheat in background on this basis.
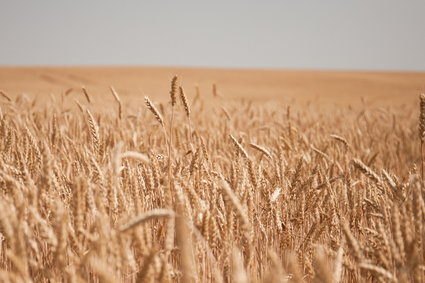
(231, 191)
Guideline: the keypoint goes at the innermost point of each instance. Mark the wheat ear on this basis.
(239, 147)
(152, 214)
(94, 131)
(86, 94)
(187, 111)
(154, 111)
(118, 100)
(2, 93)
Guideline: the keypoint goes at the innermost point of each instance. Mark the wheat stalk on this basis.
(422, 130)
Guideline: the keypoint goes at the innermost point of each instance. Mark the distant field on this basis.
(321, 87)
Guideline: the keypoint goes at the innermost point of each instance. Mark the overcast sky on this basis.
(358, 34)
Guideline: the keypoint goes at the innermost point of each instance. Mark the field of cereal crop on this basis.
(134, 175)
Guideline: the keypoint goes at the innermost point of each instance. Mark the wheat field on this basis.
(185, 189)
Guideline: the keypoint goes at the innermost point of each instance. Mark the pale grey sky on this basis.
(358, 34)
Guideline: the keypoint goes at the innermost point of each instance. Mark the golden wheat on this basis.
(92, 195)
